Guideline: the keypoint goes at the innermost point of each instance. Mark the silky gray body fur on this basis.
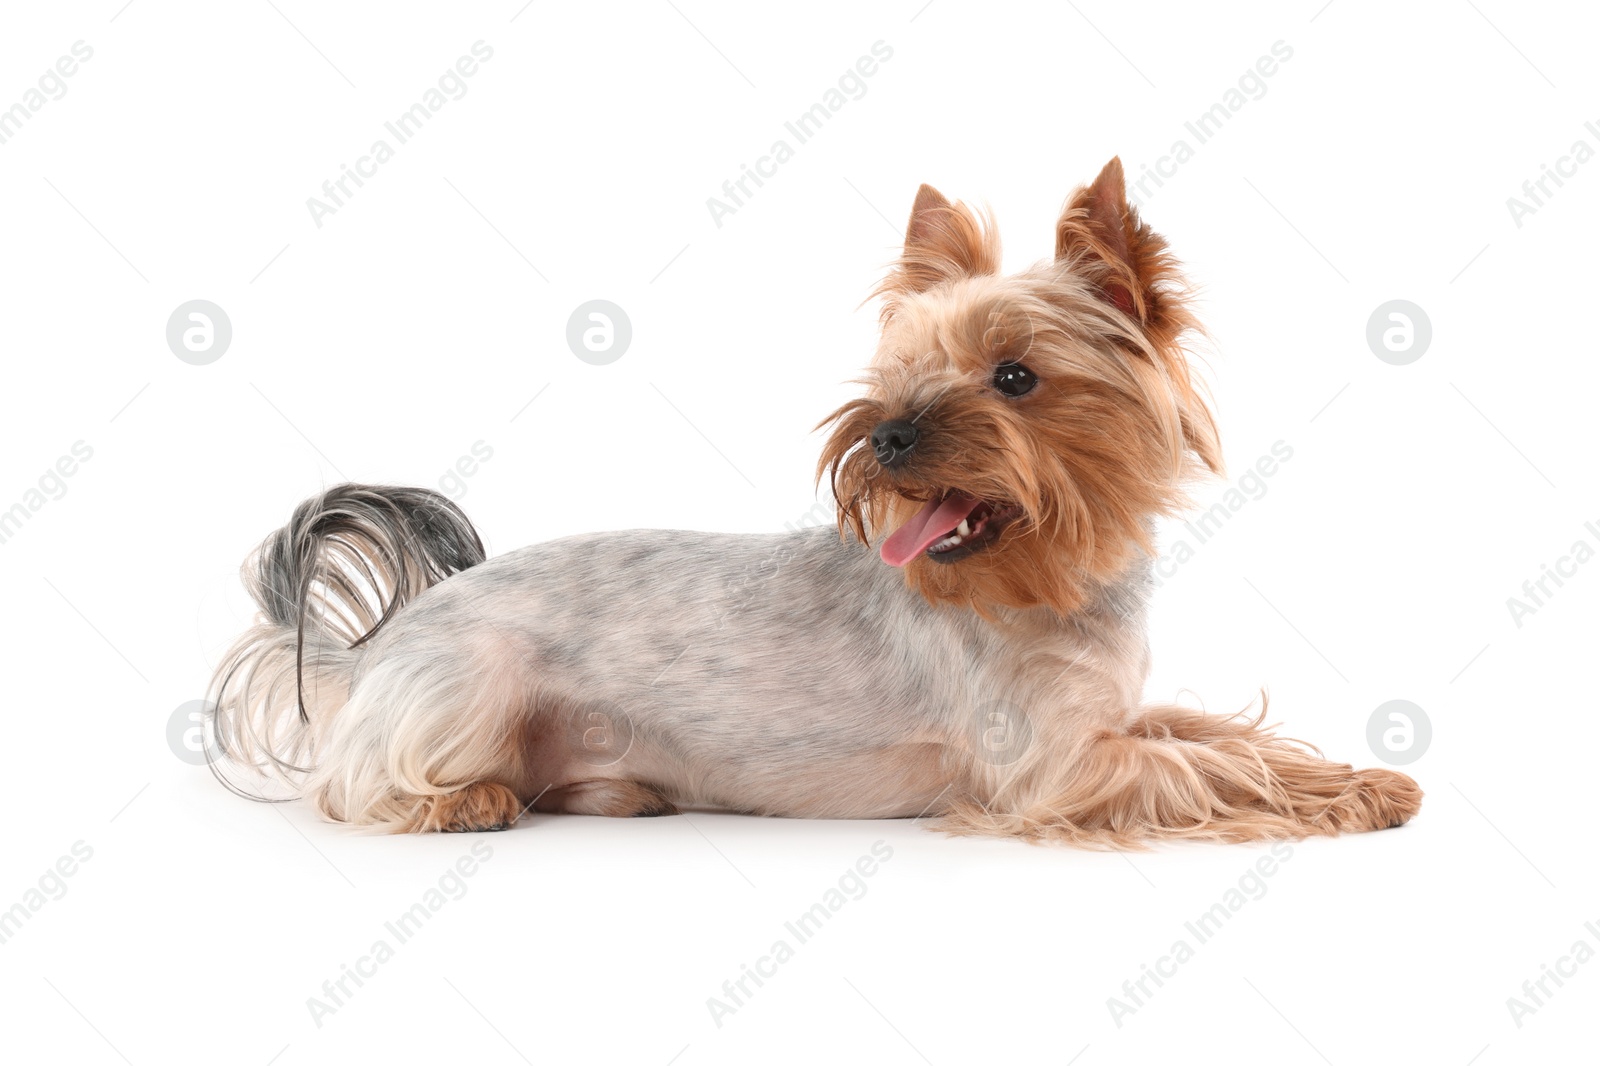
(790, 674)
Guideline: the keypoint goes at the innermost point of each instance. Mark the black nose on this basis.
(892, 441)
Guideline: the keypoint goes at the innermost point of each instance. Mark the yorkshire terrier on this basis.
(983, 667)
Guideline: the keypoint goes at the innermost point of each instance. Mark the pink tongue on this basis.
(936, 518)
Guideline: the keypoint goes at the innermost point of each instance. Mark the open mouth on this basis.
(949, 528)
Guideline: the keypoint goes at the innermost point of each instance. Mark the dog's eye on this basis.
(1014, 379)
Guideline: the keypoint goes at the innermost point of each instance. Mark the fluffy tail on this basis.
(326, 583)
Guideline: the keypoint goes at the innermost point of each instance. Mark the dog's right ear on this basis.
(944, 242)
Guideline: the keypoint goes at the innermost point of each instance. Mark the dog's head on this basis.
(1018, 433)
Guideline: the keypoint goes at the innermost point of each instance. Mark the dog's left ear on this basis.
(1098, 225)
(1102, 237)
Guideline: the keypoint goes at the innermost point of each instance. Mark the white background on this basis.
(425, 314)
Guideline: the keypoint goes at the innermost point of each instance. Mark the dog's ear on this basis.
(944, 241)
(1101, 236)
(1097, 225)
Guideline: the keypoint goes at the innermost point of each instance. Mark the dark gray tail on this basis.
(348, 560)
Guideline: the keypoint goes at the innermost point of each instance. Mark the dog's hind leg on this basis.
(608, 797)
(425, 744)
(483, 806)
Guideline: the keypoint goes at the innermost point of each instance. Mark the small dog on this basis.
(984, 667)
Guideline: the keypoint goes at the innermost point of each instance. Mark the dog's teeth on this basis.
(963, 529)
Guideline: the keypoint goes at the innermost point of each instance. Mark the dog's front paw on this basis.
(1375, 799)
